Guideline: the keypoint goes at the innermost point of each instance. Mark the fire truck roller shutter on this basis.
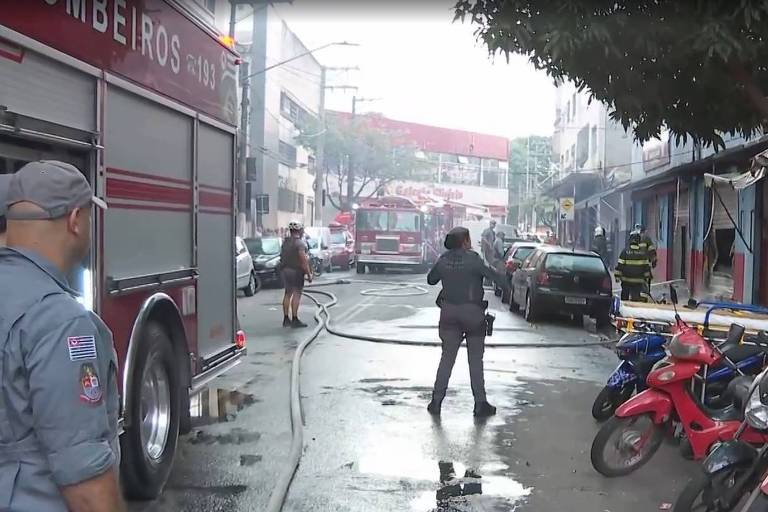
(147, 235)
(42, 88)
(149, 188)
(215, 231)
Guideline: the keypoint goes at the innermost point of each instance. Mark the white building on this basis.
(595, 156)
(587, 139)
(281, 100)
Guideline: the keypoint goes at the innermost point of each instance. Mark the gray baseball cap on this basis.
(5, 182)
(56, 187)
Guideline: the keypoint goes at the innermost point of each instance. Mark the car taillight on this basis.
(240, 339)
(543, 279)
(607, 284)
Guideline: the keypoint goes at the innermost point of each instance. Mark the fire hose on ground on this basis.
(323, 318)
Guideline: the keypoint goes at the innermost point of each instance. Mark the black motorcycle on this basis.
(733, 476)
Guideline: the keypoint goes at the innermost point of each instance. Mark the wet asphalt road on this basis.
(370, 444)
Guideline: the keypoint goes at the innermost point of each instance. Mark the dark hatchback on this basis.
(562, 281)
(265, 252)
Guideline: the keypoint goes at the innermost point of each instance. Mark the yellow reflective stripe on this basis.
(621, 261)
(634, 280)
(636, 262)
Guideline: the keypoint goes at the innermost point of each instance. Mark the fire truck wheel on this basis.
(149, 442)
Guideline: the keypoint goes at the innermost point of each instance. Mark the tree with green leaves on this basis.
(698, 69)
(529, 156)
(379, 156)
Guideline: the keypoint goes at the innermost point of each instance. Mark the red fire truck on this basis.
(439, 218)
(143, 99)
(389, 232)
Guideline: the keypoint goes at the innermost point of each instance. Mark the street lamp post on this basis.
(245, 83)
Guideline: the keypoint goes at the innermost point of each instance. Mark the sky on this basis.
(422, 67)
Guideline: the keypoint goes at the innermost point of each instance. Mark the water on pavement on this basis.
(370, 444)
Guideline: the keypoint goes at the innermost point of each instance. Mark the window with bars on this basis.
(291, 110)
(287, 154)
(286, 200)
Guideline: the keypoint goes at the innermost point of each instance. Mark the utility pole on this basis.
(527, 176)
(350, 162)
(320, 162)
(242, 141)
(320, 157)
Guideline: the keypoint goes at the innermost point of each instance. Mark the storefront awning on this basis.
(737, 180)
(741, 180)
(735, 155)
(565, 187)
(595, 199)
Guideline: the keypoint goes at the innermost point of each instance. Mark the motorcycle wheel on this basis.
(621, 446)
(608, 400)
(704, 491)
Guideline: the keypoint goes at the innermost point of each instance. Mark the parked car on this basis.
(560, 280)
(320, 245)
(265, 252)
(342, 249)
(513, 257)
(246, 276)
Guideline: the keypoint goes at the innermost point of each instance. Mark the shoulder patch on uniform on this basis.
(89, 384)
(81, 348)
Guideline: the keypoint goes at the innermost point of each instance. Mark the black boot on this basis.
(297, 324)
(435, 405)
(484, 409)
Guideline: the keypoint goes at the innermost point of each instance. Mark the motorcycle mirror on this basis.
(673, 294)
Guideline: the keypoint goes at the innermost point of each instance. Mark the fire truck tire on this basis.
(361, 268)
(148, 444)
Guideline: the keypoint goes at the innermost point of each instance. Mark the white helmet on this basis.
(295, 226)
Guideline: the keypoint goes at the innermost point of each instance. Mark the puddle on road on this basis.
(480, 483)
(212, 406)
(471, 492)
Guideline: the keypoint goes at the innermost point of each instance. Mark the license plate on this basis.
(576, 300)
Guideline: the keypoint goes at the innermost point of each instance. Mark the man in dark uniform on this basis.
(462, 315)
(59, 401)
(487, 238)
(294, 265)
(633, 269)
(646, 244)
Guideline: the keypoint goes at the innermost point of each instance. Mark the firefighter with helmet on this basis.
(600, 244)
(294, 266)
(633, 269)
(646, 244)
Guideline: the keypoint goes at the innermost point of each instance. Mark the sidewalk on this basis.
(720, 289)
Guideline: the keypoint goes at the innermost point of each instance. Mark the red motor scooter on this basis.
(631, 437)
